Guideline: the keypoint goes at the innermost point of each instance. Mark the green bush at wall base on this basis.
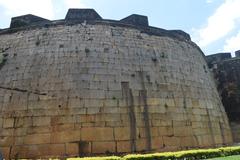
(180, 155)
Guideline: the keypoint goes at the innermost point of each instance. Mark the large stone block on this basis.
(62, 127)
(8, 122)
(171, 141)
(182, 131)
(141, 144)
(141, 132)
(188, 141)
(97, 134)
(157, 143)
(205, 140)
(37, 138)
(104, 147)
(41, 121)
(35, 130)
(123, 146)
(72, 149)
(122, 133)
(85, 148)
(6, 141)
(65, 136)
(154, 101)
(166, 131)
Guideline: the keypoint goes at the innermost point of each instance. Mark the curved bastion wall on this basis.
(226, 72)
(85, 86)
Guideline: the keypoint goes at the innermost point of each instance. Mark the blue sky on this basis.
(213, 24)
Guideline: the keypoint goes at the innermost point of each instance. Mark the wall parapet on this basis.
(26, 20)
(237, 53)
(90, 16)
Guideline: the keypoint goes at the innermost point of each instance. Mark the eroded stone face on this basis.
(99, 89)
(227, 75)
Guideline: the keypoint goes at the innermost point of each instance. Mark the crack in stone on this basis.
(22, 90)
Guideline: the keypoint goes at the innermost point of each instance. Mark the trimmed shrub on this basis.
(97, 158)
(180, 155)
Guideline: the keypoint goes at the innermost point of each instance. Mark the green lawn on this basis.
(236, 157)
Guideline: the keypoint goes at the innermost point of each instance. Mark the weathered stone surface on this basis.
(157, 143)
(104, 147)
(34, 151)
(65, 136)
(235, 131)
(171, 141)
(122, 133)
(72, 149)
(136, 20)
(8, 123)
(26, 20)
(216, 58)
(82, 14)
(97, 134)
(237, 53)
(123, 146)
(188, 141)
(5, 151)
(98, 88)
(37, 139)
(226, 71)
(166, 131)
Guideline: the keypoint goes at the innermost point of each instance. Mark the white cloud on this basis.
(41, 8)
(209, 1)
(232, 44)
(219, 24)
(74, 4)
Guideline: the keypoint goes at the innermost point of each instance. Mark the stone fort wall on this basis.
(226, 71)
(73, 87)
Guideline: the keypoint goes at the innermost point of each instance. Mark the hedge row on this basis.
(180, 155)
